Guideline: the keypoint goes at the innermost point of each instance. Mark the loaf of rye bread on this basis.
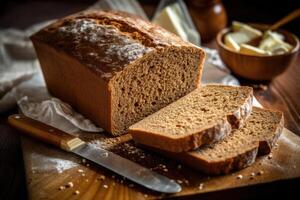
(201, 117)
(116, 68)
(240, 149)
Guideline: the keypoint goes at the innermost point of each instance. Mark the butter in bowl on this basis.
(269, 42)
(255, 52)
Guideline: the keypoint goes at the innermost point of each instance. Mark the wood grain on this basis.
(48, 168)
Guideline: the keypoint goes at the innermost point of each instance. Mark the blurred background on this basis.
(23, 13)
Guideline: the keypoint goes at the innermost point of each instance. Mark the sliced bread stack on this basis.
(213, 129)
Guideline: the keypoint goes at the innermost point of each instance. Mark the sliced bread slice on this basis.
(239, 149)
(202, 117)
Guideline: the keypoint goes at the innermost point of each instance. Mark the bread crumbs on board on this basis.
(201, 186)
(102, 177)
(240, 176)
(62, 187)
(261, 172)
(270, 156)
(70, 184)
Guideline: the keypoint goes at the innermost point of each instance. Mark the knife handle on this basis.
(44, 132)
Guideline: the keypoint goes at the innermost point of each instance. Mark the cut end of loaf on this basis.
(200, 117)
(151, 83)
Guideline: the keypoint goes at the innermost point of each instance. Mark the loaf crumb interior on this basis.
(153, 82)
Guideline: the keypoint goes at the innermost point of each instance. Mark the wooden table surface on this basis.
(283, 93)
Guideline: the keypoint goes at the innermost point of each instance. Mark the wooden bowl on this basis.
(259, 68)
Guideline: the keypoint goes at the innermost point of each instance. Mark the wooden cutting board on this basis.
(48, 169)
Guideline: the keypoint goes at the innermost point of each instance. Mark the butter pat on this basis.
(274, 35)
(251, 32)
(267, 43)
(239, 37)
(274, 43)
(169, 19)
(230, 43)
(251, 50)
(279, 49)
(243, 33)
(236, 26)
(246, 29)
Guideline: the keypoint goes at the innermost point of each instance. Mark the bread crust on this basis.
(149, 37)
(238, 118)
(266, 146)
(219, 167)
(76, 86)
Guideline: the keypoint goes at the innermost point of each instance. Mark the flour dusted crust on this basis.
(238, 117)
(106, 41)
(114, 67)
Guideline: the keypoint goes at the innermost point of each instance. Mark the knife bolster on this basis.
(69, 145)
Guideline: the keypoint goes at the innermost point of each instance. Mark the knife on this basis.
(107, 159)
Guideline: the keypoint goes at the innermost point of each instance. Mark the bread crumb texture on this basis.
(200, 109)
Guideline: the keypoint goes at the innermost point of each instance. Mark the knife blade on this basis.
(107, 159)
